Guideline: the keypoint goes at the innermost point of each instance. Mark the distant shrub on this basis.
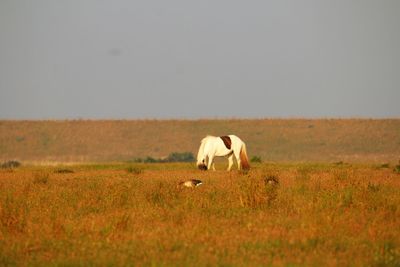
(10, 164)
(149, 159)
(173, 157)
(180, 157)
(256, 159)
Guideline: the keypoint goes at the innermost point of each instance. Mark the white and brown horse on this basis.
(223, 146)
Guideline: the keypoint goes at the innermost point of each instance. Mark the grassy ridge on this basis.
(352, 140)
(134, 215)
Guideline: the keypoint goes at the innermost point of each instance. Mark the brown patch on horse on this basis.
(227, 141)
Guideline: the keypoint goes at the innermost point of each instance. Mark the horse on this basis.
(223, 146)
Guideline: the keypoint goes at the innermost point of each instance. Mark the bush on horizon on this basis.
(172, 157)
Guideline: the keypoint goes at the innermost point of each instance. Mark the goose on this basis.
(191, 183)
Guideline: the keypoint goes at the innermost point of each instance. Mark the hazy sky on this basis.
(199, 59)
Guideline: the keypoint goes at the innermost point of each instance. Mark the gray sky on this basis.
(199, 59)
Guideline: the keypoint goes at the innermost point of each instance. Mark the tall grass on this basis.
(276, 214)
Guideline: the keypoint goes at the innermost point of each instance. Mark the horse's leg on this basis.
(237, 156)
(230, 162)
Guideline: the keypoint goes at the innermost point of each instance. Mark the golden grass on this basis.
(349, 140)
(130, 215)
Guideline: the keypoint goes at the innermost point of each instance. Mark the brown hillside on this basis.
(273, 139)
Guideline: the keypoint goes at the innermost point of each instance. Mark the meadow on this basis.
(276, 140)
(277, 214)
(321, 193)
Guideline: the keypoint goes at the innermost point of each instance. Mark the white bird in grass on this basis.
(191, 183)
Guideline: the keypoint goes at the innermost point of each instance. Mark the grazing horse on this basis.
(223, 146)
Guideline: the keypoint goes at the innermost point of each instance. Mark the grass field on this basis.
(320, 214)
(276, 140)
(326, 193)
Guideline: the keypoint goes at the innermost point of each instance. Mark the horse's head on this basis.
(202, 167)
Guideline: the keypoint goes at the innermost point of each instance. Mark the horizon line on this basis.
(205, 118)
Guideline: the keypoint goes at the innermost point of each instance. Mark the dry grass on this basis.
(349, 140)
(122, 215)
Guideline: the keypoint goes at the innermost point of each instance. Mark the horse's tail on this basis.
(244, 160)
